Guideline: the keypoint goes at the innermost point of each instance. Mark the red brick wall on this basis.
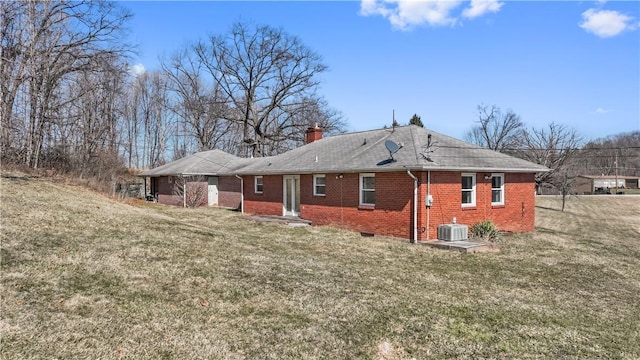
(340, 207)
(164, 189)
(517, 213)
(229, 192)
(392, 214)
(267, 203)
(166, 195)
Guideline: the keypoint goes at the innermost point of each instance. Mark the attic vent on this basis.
(453, 232)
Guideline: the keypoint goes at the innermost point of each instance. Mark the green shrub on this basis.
(485, 230)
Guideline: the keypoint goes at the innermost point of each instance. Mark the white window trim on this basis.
(362, 176)
(473, 189)
(315, 184)
(255, 184)
(501, 176)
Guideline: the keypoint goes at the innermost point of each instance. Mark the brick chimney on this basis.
(313, 134)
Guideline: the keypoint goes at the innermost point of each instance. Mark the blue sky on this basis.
(575, 63)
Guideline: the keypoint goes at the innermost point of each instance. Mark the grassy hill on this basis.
(85, 276)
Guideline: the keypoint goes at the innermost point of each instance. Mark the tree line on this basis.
(557, 147)
(70, 99)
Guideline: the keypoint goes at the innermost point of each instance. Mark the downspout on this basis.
(428, 194)
(241, 193)
(415, 207)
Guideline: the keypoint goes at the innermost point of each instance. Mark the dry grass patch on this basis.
(84, 276)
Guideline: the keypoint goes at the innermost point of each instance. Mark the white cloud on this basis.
(606, 23)
(602, 110)
(137, 69)
(481, 7)
(406, 14)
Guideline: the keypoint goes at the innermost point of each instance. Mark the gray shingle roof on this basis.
(358, 152)
(211, 162)
(366, 152)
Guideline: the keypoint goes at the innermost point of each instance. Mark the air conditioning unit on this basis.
(453, 232)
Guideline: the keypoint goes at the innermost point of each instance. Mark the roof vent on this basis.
(453, 232)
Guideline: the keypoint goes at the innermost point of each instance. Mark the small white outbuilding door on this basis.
(213, 190)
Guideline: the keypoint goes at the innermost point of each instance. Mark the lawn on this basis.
(85, 276)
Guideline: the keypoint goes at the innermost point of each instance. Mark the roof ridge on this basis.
(416, 143)
(362, 131)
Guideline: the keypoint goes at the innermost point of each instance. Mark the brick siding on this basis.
(267, 203)
(228, 191)
(517, 214)
(392, 213)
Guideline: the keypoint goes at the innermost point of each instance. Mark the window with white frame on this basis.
(497, 189)
(319, 185)
(368, 189)
(258, 184)
(468, 190)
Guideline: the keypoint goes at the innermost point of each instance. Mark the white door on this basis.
(291, 195)
(213, 190)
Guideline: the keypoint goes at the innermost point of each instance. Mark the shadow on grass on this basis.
(548, 208)
(16, 178)
(543, 230)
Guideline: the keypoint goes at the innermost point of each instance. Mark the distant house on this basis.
(400, 181)
(604, 184)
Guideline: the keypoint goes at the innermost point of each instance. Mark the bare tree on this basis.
(620, 152)
(150, 110)
(552, 147)
(43, 43)
(202, 108)
(12, 70)
(495, 130)
(266, 74)
(192, 191)
(128, 125)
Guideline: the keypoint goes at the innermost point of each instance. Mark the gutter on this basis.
(415, 207)
(241, 193)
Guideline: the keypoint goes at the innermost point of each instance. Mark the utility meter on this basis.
(428, 200)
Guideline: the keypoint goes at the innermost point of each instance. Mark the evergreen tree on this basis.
(415, 120)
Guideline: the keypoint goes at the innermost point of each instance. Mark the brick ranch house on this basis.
(354, 181)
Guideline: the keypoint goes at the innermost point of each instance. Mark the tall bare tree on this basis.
(12, 70)
(202, 107)
(553, 147)
(288, 130)
(495, 130)
(151, 113)
(43, 43)
(266, 74)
